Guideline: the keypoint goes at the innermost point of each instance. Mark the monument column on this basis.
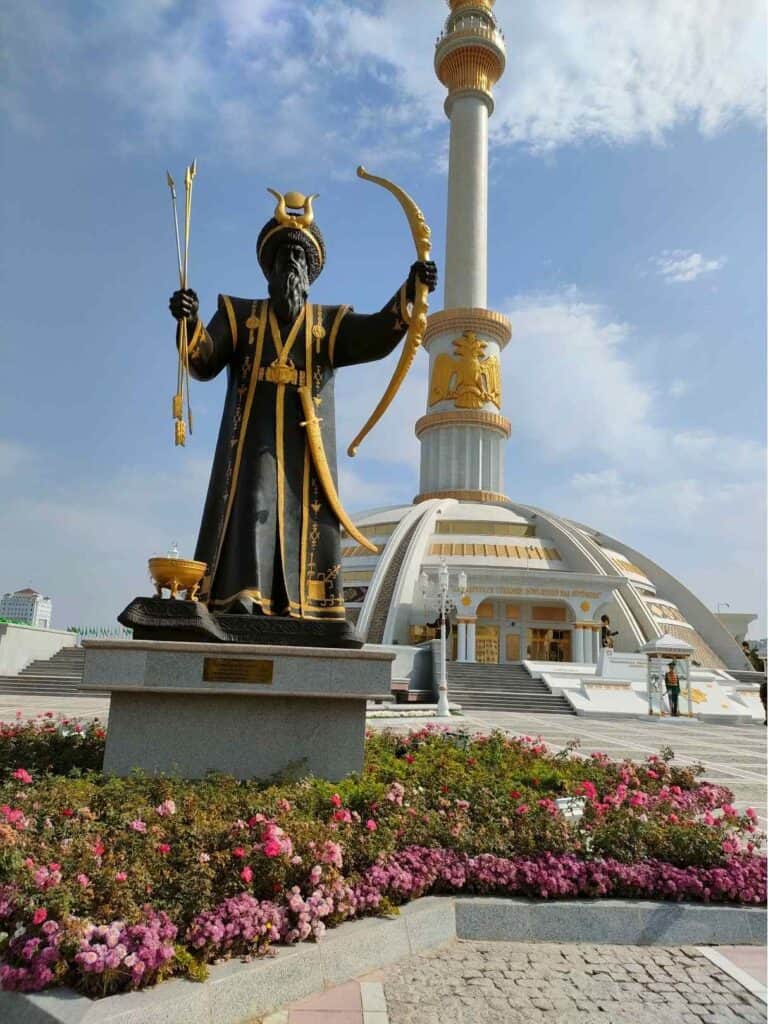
(463, 434)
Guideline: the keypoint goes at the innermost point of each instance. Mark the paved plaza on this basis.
(529, 983)
(515, 983)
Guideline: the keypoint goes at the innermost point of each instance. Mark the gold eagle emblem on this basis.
(470, 378)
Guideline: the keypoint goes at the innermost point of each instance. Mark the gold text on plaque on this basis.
(237, 670)
(467, 378)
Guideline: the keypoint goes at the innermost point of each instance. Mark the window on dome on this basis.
(484, 528)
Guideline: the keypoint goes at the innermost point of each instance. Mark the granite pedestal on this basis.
(247, 710)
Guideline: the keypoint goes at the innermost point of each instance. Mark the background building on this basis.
(27, 606)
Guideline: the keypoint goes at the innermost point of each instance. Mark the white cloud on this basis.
(360, 77)
(682, 265)
(692, 499)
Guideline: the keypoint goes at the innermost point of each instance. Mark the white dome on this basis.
(533, 578)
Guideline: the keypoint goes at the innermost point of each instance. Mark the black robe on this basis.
(268, 535)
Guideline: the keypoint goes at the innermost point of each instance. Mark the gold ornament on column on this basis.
(469, 378)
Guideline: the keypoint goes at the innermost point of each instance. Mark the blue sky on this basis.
(627, 245)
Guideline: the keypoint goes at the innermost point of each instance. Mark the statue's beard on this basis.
(288, 292)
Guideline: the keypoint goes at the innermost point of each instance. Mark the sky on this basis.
(626, 244)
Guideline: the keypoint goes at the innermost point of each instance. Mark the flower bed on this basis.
(113, 884)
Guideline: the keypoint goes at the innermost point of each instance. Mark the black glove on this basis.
(184, 304)
(426, 271)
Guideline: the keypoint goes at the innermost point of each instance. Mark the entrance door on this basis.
(487, 645)
(512, 647)
(549, 644)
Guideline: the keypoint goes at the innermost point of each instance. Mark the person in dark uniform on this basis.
(606, 633)
(672, 683)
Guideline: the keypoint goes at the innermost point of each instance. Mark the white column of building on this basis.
(578, 642)
(466, 250)
(595, 644)
(471, 641)
(461, 640)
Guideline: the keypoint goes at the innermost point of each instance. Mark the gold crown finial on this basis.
(293, 201)
(456, 5)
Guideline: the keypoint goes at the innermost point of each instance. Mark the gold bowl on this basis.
(177, 574)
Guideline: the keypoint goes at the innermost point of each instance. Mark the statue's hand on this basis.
(426, 271)
(184, 304)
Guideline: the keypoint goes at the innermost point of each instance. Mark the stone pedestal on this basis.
(247, 710)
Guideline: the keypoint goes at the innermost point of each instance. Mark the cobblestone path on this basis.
(523, 983)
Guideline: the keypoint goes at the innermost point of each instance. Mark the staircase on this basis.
(387, 589)
(59, 676)
(479, 687)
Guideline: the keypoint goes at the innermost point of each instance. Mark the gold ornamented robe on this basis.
(268, 536)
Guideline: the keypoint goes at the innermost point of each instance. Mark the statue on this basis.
(270, 528)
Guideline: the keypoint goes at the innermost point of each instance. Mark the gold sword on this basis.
(319, 461)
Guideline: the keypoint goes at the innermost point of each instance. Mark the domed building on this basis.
(525, 584)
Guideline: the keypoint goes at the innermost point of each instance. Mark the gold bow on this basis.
(418, 325)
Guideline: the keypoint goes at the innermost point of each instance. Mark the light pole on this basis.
(443, 604)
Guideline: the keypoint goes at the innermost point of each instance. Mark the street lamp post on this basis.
(443, 603)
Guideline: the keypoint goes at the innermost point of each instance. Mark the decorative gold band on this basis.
(465, 418)
(471, 67)
(470, 318)
(487, 497)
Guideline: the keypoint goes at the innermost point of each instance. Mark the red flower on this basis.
(22, 775)
(39, 915)
(514, 794)
(238, 852)
(163, 848)
(67, 812)
(98, 848)
(409, 758)
(336, 800)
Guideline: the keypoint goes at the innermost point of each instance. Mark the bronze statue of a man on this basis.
(269, 535)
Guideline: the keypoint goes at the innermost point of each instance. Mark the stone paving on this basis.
(525, 983)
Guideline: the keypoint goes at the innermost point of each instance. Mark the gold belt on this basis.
(279, 374)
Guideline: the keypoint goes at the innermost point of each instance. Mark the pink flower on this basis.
(272, 848)
(121, 876)
(166, 808)
(22, 775)
(83, 880)
(98, 848)
(138, 825)
(371, 825)
(39, 915)
(751, 813)
(522, 809)
(335, 800)
(238, 852)
(247, 875)
(284, 805)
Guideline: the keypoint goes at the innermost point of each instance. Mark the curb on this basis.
(238, 991)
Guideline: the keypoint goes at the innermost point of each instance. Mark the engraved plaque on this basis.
(237, 670)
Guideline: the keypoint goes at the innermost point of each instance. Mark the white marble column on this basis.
(471, 641)
(578, 643)
(461, 644)
(595, 644)
(467, 230)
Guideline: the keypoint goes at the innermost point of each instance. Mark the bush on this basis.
(112, 884)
